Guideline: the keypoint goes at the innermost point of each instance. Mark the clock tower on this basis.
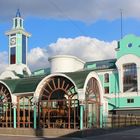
(18, 41)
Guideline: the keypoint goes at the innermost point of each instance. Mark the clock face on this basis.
(13, 41)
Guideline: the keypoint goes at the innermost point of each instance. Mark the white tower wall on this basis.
(65, 63)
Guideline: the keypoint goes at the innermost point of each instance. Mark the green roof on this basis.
(102, 64)
(29, 84)
(42, 71)
(78, 77)
(24, 84)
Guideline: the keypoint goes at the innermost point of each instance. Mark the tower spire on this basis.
(18, 13)
(17, 20)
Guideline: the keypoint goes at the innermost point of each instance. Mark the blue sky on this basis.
(62, 26)
(47, 31)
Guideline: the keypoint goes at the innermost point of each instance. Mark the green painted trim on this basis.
(19, 49)
(15, 114)
(121, 102)
(34, 117)
(123, 46)
(114, 83)
(101, 77)
(81, 116)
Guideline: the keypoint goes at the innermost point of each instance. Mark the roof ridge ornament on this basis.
(18, 13)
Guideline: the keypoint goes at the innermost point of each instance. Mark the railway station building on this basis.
(70, 93)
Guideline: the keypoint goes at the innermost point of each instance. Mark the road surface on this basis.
(129, 134)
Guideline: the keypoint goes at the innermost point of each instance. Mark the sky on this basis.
(88, 29)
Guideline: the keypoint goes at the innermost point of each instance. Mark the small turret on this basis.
(18, 21)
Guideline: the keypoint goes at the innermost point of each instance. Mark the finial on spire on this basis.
(18, 13)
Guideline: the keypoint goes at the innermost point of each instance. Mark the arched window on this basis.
(20, 23)
(15, 22)
(92, 104)
(129, 77)
(6, 115)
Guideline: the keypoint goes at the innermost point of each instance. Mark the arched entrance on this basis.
(6, 113)
(92, 104)
(58, 104)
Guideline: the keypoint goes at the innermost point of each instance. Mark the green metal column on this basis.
(101, 116)
(81, 116)
(35, 106)
(15, 114)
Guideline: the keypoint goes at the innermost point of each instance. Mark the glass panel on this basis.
(12, 55)
(130, 78)
(23, 49)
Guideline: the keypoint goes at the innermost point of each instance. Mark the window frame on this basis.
(106, 90)
(129, 75)
(106, 78)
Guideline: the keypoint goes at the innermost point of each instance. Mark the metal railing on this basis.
(6, 115)
(116, 121)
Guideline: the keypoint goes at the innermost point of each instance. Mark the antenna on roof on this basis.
(121, 14)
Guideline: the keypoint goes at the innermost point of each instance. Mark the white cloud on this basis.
(3, 61)
(86, 48)
(37, 58)
(84, 10)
